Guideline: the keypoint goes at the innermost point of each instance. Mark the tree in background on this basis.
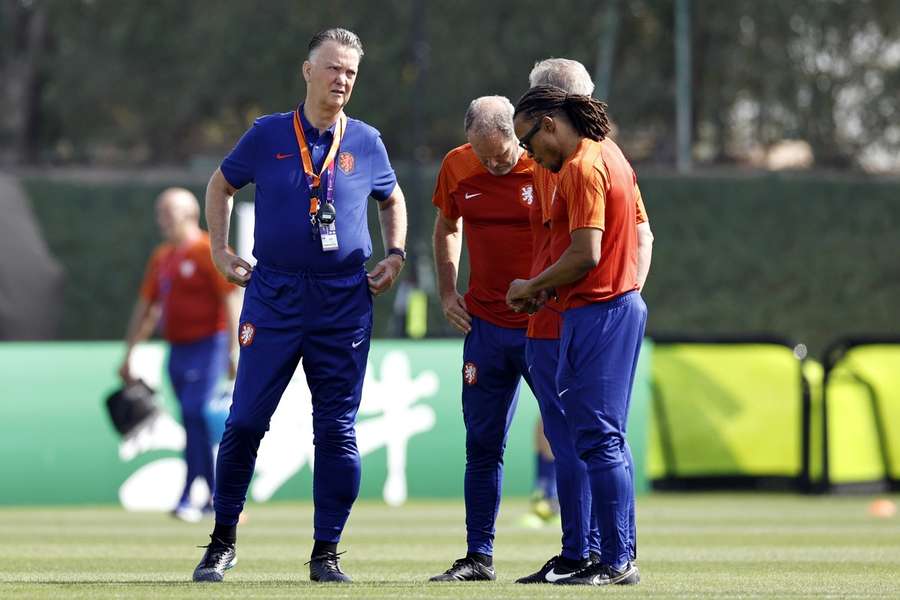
(111, 82)
(23, 38)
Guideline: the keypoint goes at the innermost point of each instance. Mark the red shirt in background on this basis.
(184, 280)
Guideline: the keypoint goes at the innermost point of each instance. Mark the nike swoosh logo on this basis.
(552, 576)
(281, 156)
(357, 343)
(563, 392)
(472, 195)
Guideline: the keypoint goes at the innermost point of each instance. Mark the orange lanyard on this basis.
(316, 178)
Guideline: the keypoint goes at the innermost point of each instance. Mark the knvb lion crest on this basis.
(470, 373)
(346, 162)
(528, 194)
(248, 331)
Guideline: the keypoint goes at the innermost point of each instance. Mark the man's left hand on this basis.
(385, 274)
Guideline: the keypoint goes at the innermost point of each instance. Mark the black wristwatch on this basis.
(399, 252)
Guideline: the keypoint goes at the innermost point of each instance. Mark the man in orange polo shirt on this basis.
(184, 293)
(594, 271)
(580, 539)
(486, 186)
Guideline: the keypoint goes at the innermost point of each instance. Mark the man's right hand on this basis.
(456, 312)
(234, 268)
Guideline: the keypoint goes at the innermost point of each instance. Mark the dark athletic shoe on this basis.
(466, 569)
(600, 574)
(325, 568)
(552, 572)
(218, 558)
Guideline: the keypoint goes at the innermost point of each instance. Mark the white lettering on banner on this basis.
(388, 417)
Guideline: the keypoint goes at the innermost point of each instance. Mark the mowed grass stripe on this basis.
(691, 546)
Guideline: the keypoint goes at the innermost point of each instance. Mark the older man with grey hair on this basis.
(485, 184)
(580, 539)
(315, 170)
(564, 73)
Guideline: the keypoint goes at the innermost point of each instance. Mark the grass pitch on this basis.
(690, 546)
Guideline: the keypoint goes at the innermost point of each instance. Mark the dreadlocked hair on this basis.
(587, 115)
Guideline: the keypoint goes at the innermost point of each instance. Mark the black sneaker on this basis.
(552, 572)
(218, 558)
(600, 574)
(466, 569)
(325, 568)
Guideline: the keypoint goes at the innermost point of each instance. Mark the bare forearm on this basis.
(392, 216)
(645, 253)
(219, 202)
(143, 319)
(447, 250)
(571, 266)
(582, 255)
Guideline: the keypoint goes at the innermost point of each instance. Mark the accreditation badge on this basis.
(328, 235)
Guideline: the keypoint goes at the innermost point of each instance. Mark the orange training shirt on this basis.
(547, 322)
(494, 210)
(597, 189)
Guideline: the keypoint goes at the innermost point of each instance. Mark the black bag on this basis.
(130, 406)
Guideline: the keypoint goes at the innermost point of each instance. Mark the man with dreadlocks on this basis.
(594, 272)
(580, 538)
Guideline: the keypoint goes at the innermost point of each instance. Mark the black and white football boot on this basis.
(218, 558)
(466, 569)
(326, 568)
(554, 570)
(601, 574)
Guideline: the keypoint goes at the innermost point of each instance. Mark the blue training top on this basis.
(267, 155)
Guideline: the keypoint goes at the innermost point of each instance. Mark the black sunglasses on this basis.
(525, 140)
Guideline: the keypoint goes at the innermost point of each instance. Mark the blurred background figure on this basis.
(410, 316)
(195, 308)
(544, 501)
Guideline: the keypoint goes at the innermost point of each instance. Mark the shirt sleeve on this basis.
(443, 193)
(586, 191)
(640, 209)
(150, 284)
(384, 180)
(239, 167)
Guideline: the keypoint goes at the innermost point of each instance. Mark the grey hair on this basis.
(490, 114)
(569, 75)
(344, 37)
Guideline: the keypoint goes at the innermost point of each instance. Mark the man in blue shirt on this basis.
(309, 295)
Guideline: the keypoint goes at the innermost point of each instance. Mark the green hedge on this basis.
(807, 257)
